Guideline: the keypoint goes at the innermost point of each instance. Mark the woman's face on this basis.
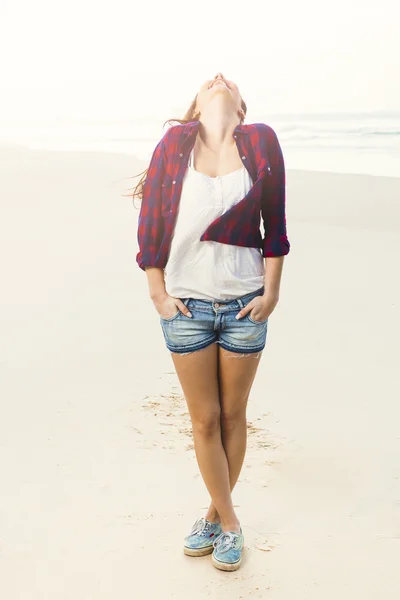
(218, 85)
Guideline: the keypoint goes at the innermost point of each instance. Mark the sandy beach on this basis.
(99, 482)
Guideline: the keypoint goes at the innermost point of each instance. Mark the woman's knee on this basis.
(233, 416)
(207, 423)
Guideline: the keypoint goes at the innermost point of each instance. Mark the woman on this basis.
(210, 180)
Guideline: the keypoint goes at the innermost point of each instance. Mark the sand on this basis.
(99, 481)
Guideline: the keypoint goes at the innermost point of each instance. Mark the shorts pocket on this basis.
(256, 322)
(171, 318)
(250, 318)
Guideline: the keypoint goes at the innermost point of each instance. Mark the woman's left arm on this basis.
(273, 275)
(273, 209)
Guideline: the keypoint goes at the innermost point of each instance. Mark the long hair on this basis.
(137, 191)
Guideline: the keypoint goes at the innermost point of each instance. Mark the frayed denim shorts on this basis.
(213, 321)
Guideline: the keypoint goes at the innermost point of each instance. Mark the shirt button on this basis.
(181, 154)
(174, 182)
(243, 157)
(235, 136)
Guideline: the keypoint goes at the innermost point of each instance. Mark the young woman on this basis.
(210, 181)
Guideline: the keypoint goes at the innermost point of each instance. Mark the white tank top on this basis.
(210, 270)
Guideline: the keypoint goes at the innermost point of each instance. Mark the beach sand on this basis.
(99, 481)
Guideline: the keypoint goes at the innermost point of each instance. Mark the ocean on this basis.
(345, 143)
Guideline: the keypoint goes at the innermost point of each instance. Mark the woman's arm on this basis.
(150, 222)
(151, 258)
(273, 275)
(273, 202)
(273, 209)
(151, 225)
(156, 282)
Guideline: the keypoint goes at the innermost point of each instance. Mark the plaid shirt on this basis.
(261, 154)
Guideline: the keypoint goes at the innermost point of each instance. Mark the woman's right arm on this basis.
(156, 283)
(150, 224)
(150, 232)
(150, 229)
(165, 305)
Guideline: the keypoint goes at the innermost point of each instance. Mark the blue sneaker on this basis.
(199, 542)
(228, 548)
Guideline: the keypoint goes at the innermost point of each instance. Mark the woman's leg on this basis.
(235, 377)
(198, 376)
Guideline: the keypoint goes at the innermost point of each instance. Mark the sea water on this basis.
(348, 143)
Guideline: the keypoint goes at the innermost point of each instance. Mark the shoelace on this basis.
(226, 540)
(200, 527)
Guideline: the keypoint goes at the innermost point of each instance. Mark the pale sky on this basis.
(133, 59)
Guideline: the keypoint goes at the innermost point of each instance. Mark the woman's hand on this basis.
(263, 306)
(167, 306)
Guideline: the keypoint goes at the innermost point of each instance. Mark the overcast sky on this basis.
(134, 59)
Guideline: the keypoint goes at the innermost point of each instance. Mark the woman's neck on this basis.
(217, 126)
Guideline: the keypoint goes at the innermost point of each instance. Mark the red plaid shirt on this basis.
(261, 154)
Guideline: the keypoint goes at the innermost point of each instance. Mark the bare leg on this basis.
(198, 376)
(236, 376)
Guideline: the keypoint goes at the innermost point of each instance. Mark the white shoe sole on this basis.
(198, 551)
(225, 566)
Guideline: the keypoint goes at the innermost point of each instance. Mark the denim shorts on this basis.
(213, 321)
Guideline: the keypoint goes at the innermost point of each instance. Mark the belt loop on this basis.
(240, 302)
(185, 301)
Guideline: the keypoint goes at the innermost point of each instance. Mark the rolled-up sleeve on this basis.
(150, 229)
(273, 204)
